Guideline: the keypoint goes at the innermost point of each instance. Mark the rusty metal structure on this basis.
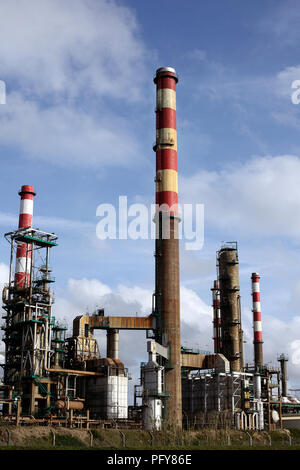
(30, 329)
(230, 305)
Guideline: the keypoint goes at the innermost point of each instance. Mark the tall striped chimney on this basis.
(23, 257)
(167, 287)
(257, 327)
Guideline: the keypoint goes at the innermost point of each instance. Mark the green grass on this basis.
(111, 439)
(97, 435)
(64, 440)
(295, 433)
(203, 447)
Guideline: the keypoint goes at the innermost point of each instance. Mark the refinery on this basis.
(52, 377)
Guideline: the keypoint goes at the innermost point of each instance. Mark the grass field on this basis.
(45, 438)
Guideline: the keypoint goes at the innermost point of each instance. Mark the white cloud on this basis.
(62, 62)
(194, 311)
(261, 197)
(70, 47)
(66, 135)
(282, 336)
(91, 289)
(136, 294)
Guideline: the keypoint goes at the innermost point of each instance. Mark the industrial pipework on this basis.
(167, 287)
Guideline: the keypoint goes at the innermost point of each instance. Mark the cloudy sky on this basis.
(79, 125)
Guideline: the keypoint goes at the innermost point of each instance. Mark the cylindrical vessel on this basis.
(69, 404)
(230, 307)
(167, 290)
(112, 343)
(23, 257)
(257, 326)
(283, 359)
(152, 375)
(257, 386)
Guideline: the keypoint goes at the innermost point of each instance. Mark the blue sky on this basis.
(79, 125)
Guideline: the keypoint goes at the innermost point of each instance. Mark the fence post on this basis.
(8, 437)
(269, 437)
(250, 439)
(288, 435)
(53, 437)
(123, 438)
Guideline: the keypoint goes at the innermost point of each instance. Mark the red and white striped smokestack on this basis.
(23, 258)
(257, 326)
(167, 283)
(166, 140)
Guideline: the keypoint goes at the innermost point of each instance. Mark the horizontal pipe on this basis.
(75, 372)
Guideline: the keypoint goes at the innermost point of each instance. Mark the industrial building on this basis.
(51, 377)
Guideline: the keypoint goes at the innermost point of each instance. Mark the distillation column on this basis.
(23, 257)
(232, 334)
(167, 287)
(283, 359)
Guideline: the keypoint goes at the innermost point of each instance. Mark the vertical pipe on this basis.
(167, 286)
(241, 334)
(257, 327)
(216, 317)
(46, 285)
(218, 313)
(112, 343)
(257, 386)
(11, 262)
(283, 365)
(215, 332)
(23, 257)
